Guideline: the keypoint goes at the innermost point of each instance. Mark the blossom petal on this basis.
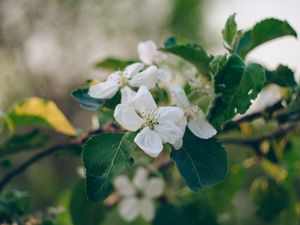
(181, 98)
(140, 178)
(171, 113)
(201, 128)
(146, 208)
(115, 76)
(149, 141)
(127, 94)
(104, 90)
(143, 101)
(127, 117)
(164, 74)
(133, 69)
(168, 131)
(147, 51)
(129, 208)
(149, 77)
(124, 186)
(178, 144)
(155, 187)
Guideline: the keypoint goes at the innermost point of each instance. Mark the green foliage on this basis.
(192, 53)
(262, 32)
(84, 211)
(87, 102)
(271, 199)
(21, 143)
(230, 30)
(282, 76)
(201, 162)
(105, 156)
(113, 63)
(236, 84)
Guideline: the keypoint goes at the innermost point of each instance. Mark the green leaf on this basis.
(201, 162)
(113, 63)
(21, 143)
(39, 112)
(230, 30)
(105, 156)
(236, 84)
(262, 32)
(282, 76)
(193, 53)
(87, 102)
(84, 211)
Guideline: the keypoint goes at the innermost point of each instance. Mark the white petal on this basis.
(164, 74)
(155, 187)
(168, 131)
(104, 90)
(140, 178)
(127, 94)
(133, 69)
(149, 141)
(114, 76)
(147, 208)
(201, 128)
(182, 124)
(181, 98)
(143, 101)
(178, 144)
(129, 208)
(171, 113)
(127, 117)
(147, 51)
(149, 78)
(124, 186)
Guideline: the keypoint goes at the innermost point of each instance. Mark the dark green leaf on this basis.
(236, 84)
(113, 63)
(84, 211)
(82, 97)
(217, 63)
(282, 76)
(201, 162)
(262, 32)
(105, 156)
(21, 143)
(230, 30)
(192, 53)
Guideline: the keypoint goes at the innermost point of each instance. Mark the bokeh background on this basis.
(49, 47)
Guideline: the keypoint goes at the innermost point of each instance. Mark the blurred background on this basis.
(49, 47)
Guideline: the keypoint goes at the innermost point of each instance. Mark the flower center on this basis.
(193, 111)
(150, 118)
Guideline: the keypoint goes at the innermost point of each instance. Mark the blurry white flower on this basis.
(149, 54)
(158, 125)
(196, 121)
(80, 172)
(133, 76)
(138, 195)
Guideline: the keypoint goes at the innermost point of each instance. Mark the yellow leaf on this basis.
(37, 111)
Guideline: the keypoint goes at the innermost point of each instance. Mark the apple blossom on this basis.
(157, 125)
(196, 121)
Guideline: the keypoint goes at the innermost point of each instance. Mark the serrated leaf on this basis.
(21, 143)
(86, 101)
(236, 84)
(39, 112)
(230, 30)
(282, 76)
(105, 156)
(83, 211)
(201, 162)
(264, 31)
(193, 53)
(113, 63)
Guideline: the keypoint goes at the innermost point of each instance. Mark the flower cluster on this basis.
(139, 112)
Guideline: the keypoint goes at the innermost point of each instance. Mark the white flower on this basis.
(196, 121)
(158, 125)
(133, 76)
(149, 54)
(137, 197)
